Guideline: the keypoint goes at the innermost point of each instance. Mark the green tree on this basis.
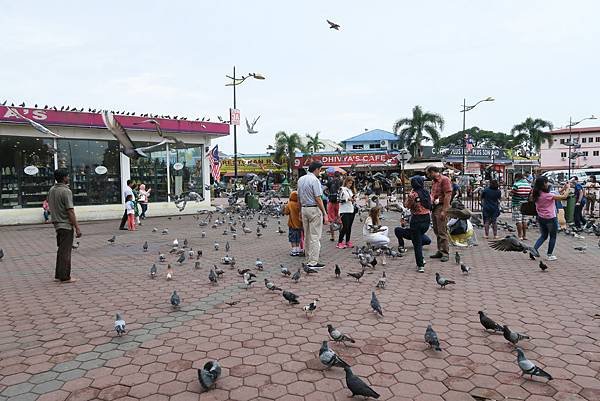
(423, 126)
(285, 149)
(482, 138)
(313, 143)
(531, 131)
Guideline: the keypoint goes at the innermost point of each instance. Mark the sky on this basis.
(536, 58)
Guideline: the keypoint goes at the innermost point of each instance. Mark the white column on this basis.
(55, 145)
(206, 168)
(168, 173)
(124, 164)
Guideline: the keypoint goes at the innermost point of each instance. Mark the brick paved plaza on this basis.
(57, 340)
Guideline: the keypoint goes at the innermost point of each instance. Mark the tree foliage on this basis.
(286, 146)
(422, 126)
(531, 131)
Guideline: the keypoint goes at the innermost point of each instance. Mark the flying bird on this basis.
(488, 323)
(209, 374)
(329, 358)
(510, 243)
(528, 367)
(338, 336)
(37, 126)
(250, 127)
(333, 25)
(119, 325)
(357, 386)
(442, 281)
(431, 338)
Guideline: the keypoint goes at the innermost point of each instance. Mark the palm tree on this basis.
(423, 126)
(285, 149)
(313, 143)
(531, 131)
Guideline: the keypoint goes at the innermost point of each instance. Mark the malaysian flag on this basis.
(215, 164)
(469, 142)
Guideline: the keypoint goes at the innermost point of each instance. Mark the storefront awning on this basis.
(422, 165)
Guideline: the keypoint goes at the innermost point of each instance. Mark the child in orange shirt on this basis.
(292, 209)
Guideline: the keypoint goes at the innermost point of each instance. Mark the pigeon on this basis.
(512, 336)
(190, 254)
(209, 374)
(311, 307)
(308, 270)
(175, 300)
(457, 258)
(145, 246)
(199, 254)
(333, 25)
(442, 281)
(510, 243)
(296, 276)
(375, 304)
(218, 271)
(431, 338)
(185, 243)
(234, 236)
(329, 358)
(119, 325)
(291, 297)
(227, 246)
(226, 260)
(382, 280)
(464, 268)
(203, 234)
(243, 271)
(75, 245)
(337, 335)
(488, 323)
(271, 286)
(358, 275)
(154, 230)
(258, 233)
(258, 264)
(284, 270)
(528, 367)
(248, 279)
(232, 303)
(161, 257)
(1, 254)
(580, 248)
(337, 271)
(153, 271)
(112, 240)
(165, 231)
(216, 245)
(212, 276)
(169, 272)
(181, 258)
(357, 386)
(175, 243)
(543, 266)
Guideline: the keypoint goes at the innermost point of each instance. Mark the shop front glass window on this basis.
(19, 189)
(94, 170)
(152, 172)
(189, 177)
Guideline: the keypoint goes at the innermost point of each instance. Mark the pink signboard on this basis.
(94, 120)
(345, 160)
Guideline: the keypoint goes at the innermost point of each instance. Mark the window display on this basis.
(90, 182)
(189, 176)
(151, 171)
(19, 154)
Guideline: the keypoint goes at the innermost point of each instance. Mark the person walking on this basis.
(441, 193)
(520, 194)
(419, 203)
(333, 206)
(128, 191)
(313, 212)
(346, 210)
(592, 195)
(62, 212)
(143, 198)
(546, 211)
(490, 200)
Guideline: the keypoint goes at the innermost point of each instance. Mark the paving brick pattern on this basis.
(57, 341)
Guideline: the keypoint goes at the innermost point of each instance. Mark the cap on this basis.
(314, 165)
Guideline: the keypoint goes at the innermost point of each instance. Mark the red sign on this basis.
(94, 120)
(346, 160)
(234, 116)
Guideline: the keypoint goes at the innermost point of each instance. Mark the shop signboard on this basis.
(31, 170)
(252, 164)
(347, 160)
(177, 166)
(100, 170)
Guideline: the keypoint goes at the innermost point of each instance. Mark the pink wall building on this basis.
(557, 156)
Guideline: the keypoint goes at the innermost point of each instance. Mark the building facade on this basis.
(373, 140)
(584, 154)
(98, 169)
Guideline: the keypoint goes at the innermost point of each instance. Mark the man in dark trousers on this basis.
(128, 191)
(60, 202)
(441, 193)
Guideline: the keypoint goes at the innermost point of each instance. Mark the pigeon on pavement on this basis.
(308, 270)
(464, 268)
(161, 257)
(296, 276)
(512, 336)
(488, 323)
(457, 258)
(311, 307)
(443, 281)
(291, 297)
(375, 304)
(112, 240)
(543, 266)
(175, 300)
(284, 270)
(271, 286)
(338, 336)
(382, 280)
(431, 338)
(528, 367)
(212, 276)
(259, 264)
(153, 271)
(169, 272)
(357, 386)
(181, 258)
(119, 325)
(337, 271)
(248, 279)
(209, 374)
(1, 253)
(329, 358)
(357, 275)
(145, 246)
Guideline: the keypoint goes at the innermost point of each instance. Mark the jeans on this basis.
(405, 233)
(123, 220)
(64, 241)
(144, 209)
(547, 227)
(419, 224)
(346, 230)
(578, 216)
(46, 215)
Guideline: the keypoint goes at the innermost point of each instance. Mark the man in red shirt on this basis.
(441, 194)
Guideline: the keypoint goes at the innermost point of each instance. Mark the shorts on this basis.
(294, 235)
(517, 217)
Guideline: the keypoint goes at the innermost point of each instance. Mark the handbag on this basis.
(528, 208)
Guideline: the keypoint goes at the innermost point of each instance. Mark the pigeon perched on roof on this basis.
(209, 374)
(119, 325)
(488, 323)
(329, 358)
(357, 386)
(375, 304)
(431, 338)
(512, 336)
(338, 336)
(528, 367)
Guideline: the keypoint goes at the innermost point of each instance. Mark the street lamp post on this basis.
(464, 111)
(570, 144)
(235, 82)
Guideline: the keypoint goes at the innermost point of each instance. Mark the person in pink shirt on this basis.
(546, 210)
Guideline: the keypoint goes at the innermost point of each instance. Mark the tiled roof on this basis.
(373, 135)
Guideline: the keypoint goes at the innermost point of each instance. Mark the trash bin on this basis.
(252, 201)
(285, 188)
(570, 209)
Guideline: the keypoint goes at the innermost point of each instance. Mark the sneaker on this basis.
(349, 244)
(437, 255)
(421, 269)
(551, 257)
(340, 245)
(444, 258)
(293, 253)
(402, 250)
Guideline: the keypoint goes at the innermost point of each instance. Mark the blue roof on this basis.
(373, 135)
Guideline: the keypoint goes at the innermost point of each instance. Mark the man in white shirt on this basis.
(592, 194)
(313, 213)
(128, 191)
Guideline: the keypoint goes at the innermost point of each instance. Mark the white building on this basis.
(376, 139)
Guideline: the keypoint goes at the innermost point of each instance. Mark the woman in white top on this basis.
(374, 233)
(143, 197)
(346, 199)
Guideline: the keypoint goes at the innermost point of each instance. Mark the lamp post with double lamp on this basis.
(235, 81)
(571, 144)
(464, 111)
(402, 156)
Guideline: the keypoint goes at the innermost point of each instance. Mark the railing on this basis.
(472, 200)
